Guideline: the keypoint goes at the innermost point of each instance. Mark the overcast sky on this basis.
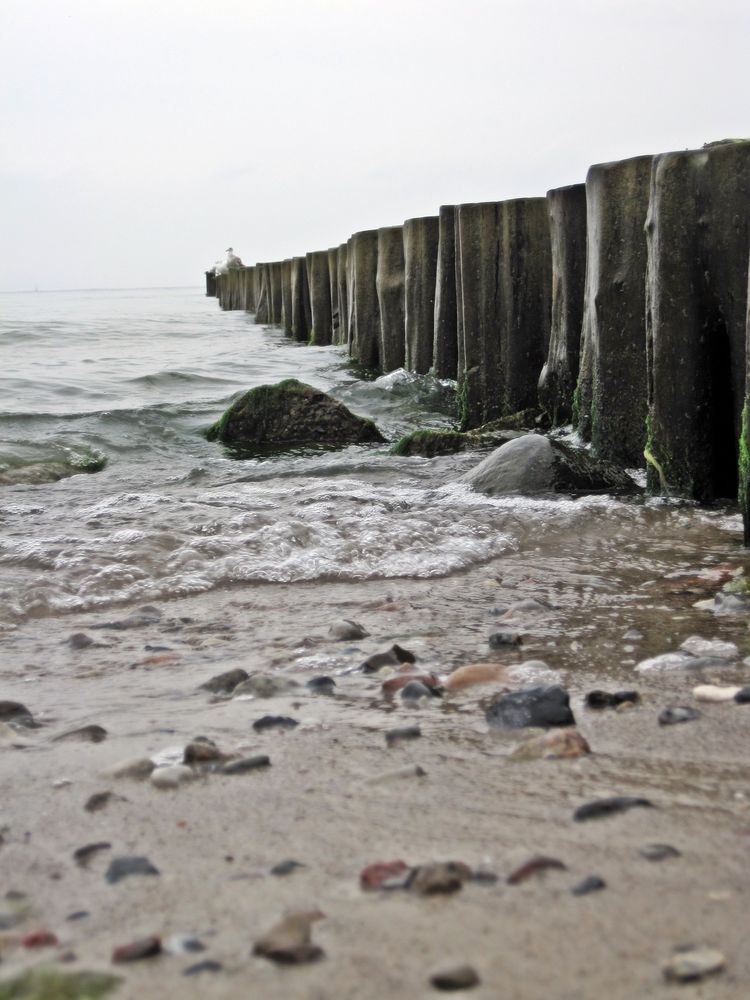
(140, 138)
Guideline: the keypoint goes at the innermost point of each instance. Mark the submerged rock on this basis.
(431, 442)
(534, 464)
(226, 683)
(321, 685)
(289, 414)
(537, 706)
(555, 745)
(346, 630)
(265, 686)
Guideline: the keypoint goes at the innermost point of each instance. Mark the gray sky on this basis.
(140, 138)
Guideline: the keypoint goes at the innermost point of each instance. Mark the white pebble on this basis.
(171, 777)
(710, 647)
(712, 692)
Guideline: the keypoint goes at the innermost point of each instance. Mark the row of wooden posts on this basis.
(620, 304)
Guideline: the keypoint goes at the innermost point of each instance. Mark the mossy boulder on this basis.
(533, 464)
(430, 442)
(287, 415)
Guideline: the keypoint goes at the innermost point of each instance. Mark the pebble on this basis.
(79, 640)
(658, 852)
(289, 941)
(274, 722)
(137, 767)
(415, 690)
(713, 692)
(500, 639)
(344, 629)
(39, 938)
(475, 673)
(608, 807)
(87, 734)
(97, 801)
(592, 883)
(146, 947)
(127, 865)
(743, 696)
(606, 699)
(394, 737)
(245, 764)
(183, 944)
(555, 745)
(78, 915)
(82, 855)
(265, 686)
(171, 776)
(374, 875)
(397, 683)
(207, 965)
(537, 706)
(439, 878)
(460, 977)
(533, 866)
(286, 867)
(678, 713)
(321, 685)
(633, 635)
(13, 710)
(692, 964)
(409, 771)
(226, 683)
(202, 751)
(710, 647)
(390, 658)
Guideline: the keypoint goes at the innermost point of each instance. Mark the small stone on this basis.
(172, 776)
(265, 686)
(743, 696)
(409, 771)
(399, 682)
(390, 658)
(97, 801)
(710, 647)
(500, 639)
(286, 867)
(146, 947)
(78, 915)
(394, 737)
(79, 640)
(483, 876)
(87, 734)
(633, 635)
(537, 706)
(608, 807)
(13, 710)
(207, 965)
(693, 964)
(148, 615)
(202, 751)
(658, 852)
(274, 722)
(127, 865)
(715, 693)
(414, 690)
(137, 767)
(82, 855)
(592, 883)
(678, 713)
(344, 629)
(606, 699)
(539, 863)
(555, 745)
(461, 977)
(321, 685)
(226, 682)
(475, 673)
(374, 875)
(439, 878)
(183, 944)
(289, 942)
(245, 764)
(40, 938)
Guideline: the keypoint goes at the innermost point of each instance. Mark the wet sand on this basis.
(215, 839)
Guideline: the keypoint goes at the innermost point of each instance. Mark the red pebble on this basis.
(39, 939)
(136, 950)
(373, 876)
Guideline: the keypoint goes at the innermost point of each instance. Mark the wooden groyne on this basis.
(620, 304)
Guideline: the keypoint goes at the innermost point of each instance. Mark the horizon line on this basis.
(104, 288)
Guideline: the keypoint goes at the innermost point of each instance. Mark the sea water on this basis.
(111, 494)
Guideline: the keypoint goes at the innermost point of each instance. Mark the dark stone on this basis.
(274, 722)
(607, 699)
(592, 883)
(500, 639)
(286, 867)
(413, 690)
(428, 443)
(127, 865)
(533, 866)
(79, 640)
(146, 947)
(97, 801)
(321, 685)
(226, 683)
(743, 696)
(390, 286)
(82, 855)
(13, 711)
(201, 750)
(78, 915)
(608, 807)
(659, 852)
(395, 736)
(537, 706)
(207, 965)
(462, 977)
(534, 464)
(245, 764)
(88, 734)
(390, 658)
(678, 713)
(290, 414)
(438, 878)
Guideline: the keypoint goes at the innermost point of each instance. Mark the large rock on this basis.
(538, 706)
(533, 464)
(290, 413)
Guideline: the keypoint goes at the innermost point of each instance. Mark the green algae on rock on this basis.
(48, 983)
(430, 442)
(290, 413)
